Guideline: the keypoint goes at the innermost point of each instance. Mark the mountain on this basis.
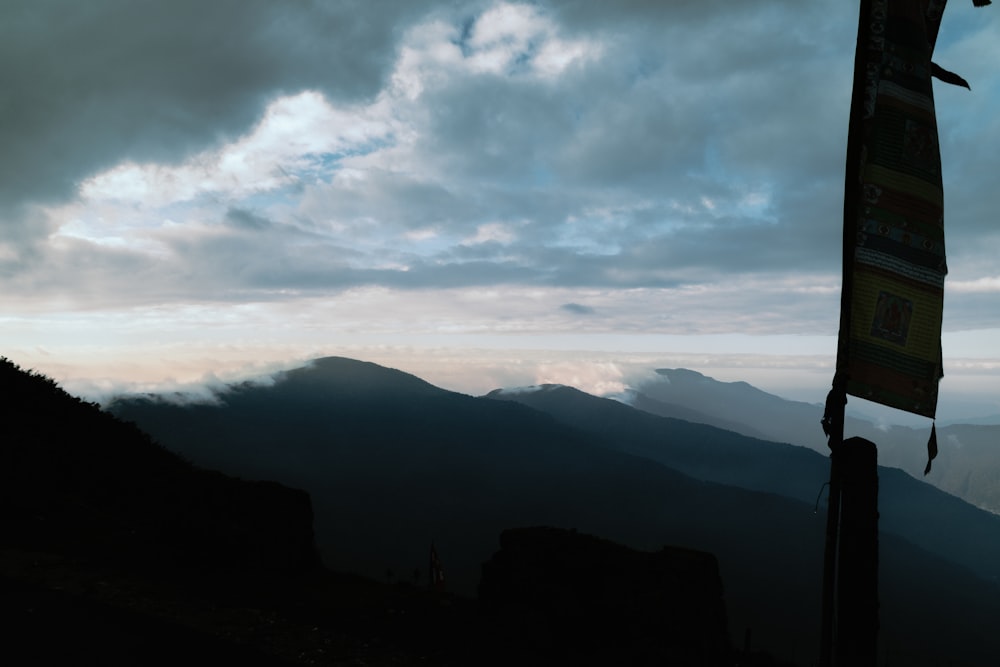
(646, 403)
(398, 467)
(931, 519)
(988, 420)
(968, 463)
(394, 464)
(696, 449)
(78, 481)
(109, 539)
(115, 551)
(739, 407)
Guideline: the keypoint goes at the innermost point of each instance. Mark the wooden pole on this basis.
(857, 623)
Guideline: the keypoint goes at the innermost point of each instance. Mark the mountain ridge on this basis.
(388, 476)
(792, 471)
(968, 462)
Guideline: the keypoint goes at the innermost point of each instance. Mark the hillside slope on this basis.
(394, 464)
(936, 521)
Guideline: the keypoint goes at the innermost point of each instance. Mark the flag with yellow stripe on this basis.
(890, 349)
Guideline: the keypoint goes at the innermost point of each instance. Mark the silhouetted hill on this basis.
(397, 463)
(699, 450)
(104, 531)
(76, 479)
(115, 551)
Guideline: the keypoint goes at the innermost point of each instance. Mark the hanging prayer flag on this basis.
(894, 256)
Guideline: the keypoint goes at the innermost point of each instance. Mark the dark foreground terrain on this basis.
(61, 611)
(115, 551)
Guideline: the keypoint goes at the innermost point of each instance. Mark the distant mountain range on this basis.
(393, 463)
(117, 552)
(968, 463)
(908, 508)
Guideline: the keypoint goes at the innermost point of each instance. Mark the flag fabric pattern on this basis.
(890, 348)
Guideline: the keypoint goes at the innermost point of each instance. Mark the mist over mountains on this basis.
(968, 463)
(393, 463)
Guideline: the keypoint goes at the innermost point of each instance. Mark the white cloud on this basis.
(295, 135)
(985, 284)
(593, 377)
(509, 37)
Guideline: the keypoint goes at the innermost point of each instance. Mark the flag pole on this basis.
(891, 303)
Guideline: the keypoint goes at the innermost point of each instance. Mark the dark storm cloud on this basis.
(655, 13)
(89, 84)
(719, 104)
(498, 127)
(651, 117)
(680, 143)
(697, 107)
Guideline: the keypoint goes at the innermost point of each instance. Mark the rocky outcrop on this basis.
(590, 601)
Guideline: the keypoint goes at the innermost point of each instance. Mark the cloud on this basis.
(985, 284)
(577, 309)
(676, 167)
(594, 377)
(89, 86)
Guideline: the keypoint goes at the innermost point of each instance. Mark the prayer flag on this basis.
(894, 255)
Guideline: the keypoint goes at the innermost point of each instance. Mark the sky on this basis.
(483, 193)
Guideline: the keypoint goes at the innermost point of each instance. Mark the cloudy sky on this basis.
(484, 193)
